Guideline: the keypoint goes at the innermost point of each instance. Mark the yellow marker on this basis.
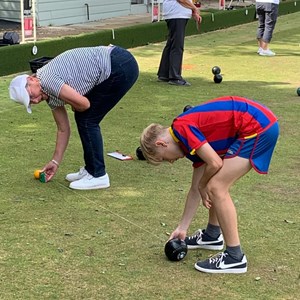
(37, 174)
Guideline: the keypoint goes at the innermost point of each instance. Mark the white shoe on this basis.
(259, 49)
(267, 52)
(89, 182)
(76, 176)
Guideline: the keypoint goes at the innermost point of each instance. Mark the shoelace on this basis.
(197, 235)
(218, 258)
(82, 170)
(89, 176)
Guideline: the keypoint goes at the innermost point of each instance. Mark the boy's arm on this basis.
(191, 205)
(213, 163)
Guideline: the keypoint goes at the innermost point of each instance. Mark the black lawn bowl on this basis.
(218, 78)
(298, 91)
(139, 154)
(216, 70)
(187, 107)
(176, 249)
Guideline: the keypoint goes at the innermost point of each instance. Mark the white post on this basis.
(22, 20)
(34, 20)
(26, 38)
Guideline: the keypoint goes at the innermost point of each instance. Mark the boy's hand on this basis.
(178, 233)
(205, 199)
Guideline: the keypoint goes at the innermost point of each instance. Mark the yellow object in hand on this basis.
(37, 174)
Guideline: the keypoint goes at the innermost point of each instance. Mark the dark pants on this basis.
(103, 97)
(172, 55)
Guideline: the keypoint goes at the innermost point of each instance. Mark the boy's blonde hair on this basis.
(148, 138)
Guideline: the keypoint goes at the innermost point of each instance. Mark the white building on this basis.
(58, 12)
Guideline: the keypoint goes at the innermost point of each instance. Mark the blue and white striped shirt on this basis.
(80, 68)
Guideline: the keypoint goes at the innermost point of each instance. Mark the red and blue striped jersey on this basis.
(220, 122)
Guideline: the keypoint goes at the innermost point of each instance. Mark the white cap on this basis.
(18, 92)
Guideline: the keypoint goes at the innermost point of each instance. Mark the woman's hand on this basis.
(50, 169)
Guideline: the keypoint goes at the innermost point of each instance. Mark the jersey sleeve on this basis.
(189, 135)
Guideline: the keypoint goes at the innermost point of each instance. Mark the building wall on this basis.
(58, 12)
(10, 10)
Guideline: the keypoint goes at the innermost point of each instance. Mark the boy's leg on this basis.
(232, 260)
(218, 186)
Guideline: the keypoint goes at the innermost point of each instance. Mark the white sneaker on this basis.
(76, 176)
(89, 182)
(267, 52)
(259, 49)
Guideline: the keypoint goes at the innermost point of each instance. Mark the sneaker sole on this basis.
(206, 247)
(222, 271)
(90, 188)
(186, 84)
(269, 55)
(72, 180)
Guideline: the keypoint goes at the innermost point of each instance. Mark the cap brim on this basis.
(18, 92)
(28, 108)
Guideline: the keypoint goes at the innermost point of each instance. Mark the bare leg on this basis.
(264, 45)
(224, 209)
(212, 217)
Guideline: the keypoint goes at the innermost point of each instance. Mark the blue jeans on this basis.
(103, 97)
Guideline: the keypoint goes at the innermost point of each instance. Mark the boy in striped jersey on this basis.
(224, 138)
(92, 80)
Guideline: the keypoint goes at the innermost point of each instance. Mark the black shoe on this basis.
(222, 263)
(200, 240)
(179, 82)
(162, 79)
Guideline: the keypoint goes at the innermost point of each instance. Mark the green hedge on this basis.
(16, 58)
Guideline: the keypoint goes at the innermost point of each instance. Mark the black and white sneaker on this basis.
(200, 240)
(222, 263)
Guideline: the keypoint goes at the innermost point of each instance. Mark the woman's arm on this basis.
(62, 139)
(70, 96)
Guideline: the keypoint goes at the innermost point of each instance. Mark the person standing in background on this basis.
(176, 14)
(267, 13)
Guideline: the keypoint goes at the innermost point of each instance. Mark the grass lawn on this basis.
(58, 243)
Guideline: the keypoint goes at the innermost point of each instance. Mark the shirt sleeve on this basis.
(52, 86)
(190, 136)
(54, 102)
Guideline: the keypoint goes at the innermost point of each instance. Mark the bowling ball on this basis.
(175, 249)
